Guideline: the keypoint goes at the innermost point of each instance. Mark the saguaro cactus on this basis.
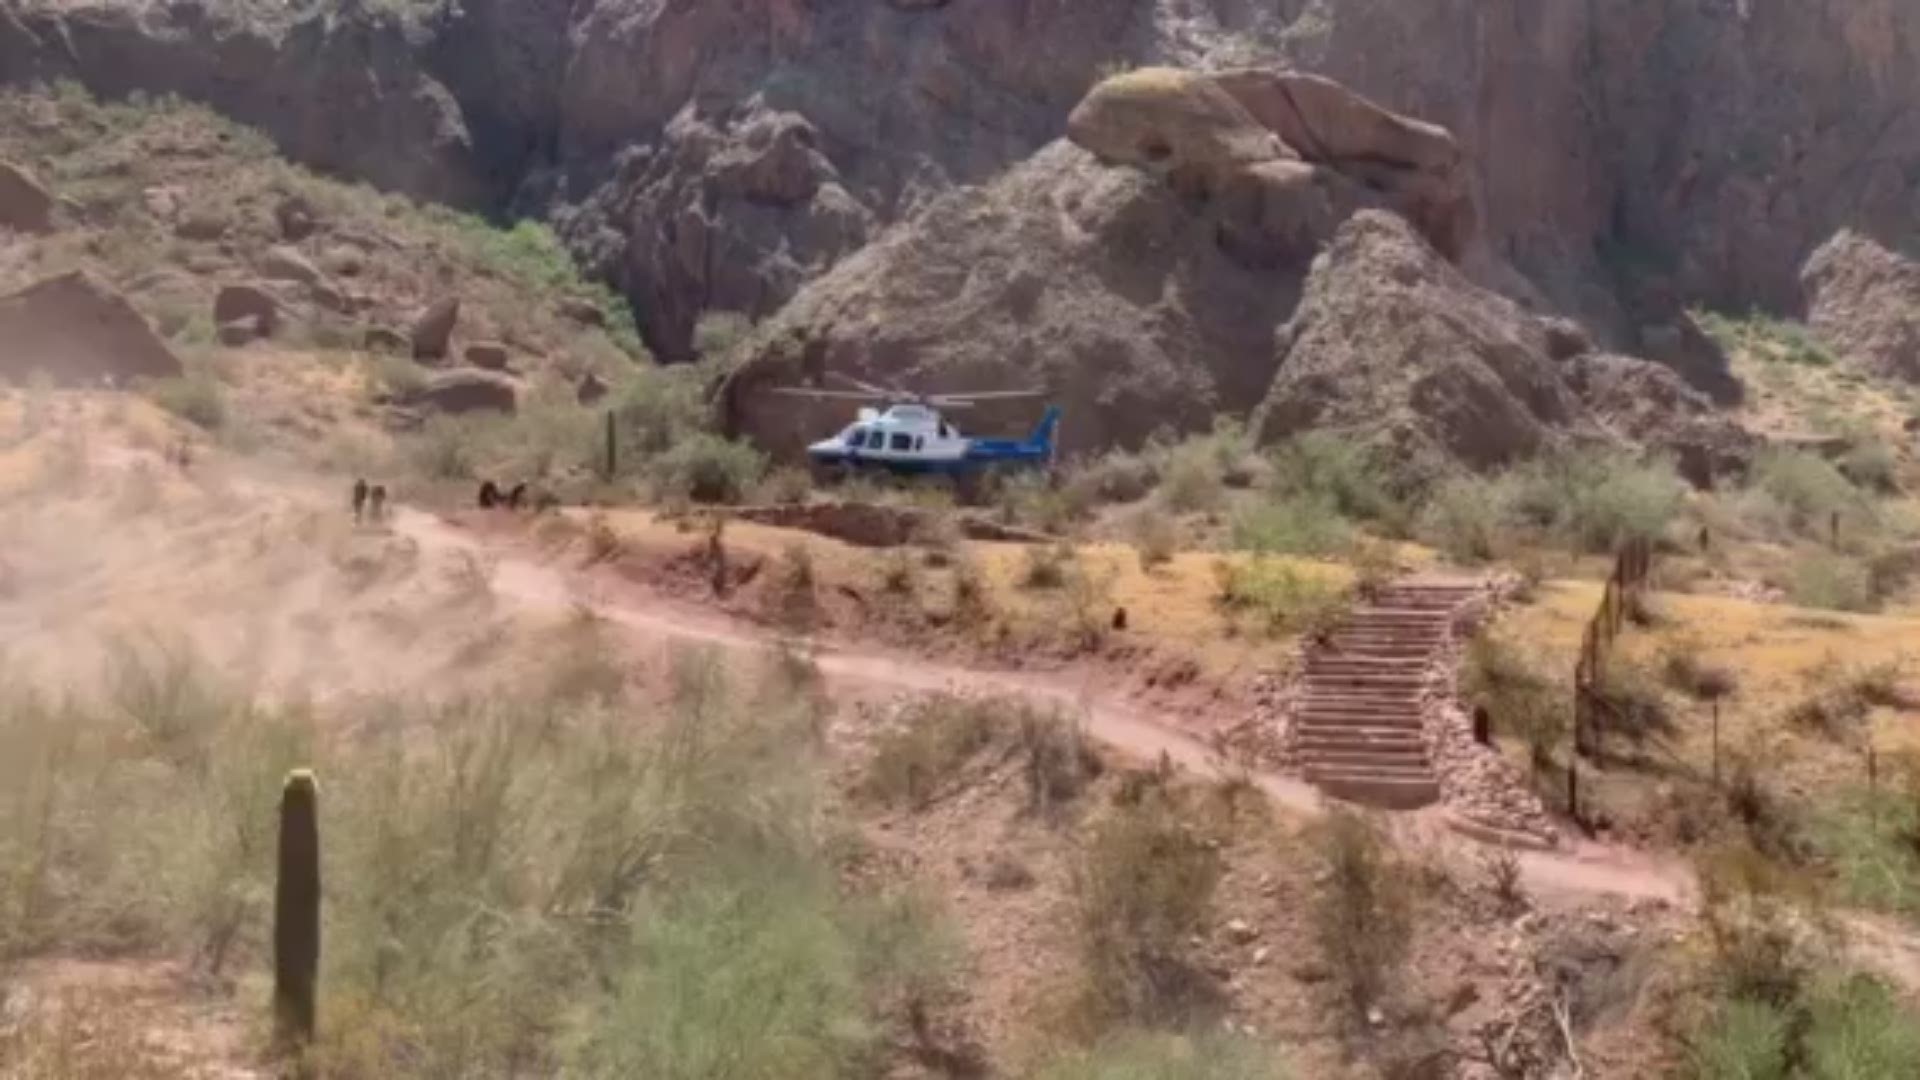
(296, 911)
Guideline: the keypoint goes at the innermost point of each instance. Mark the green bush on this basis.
(1292, 525)
(1281, 598)
(1746, 1040)
(1363, 914)
(1323, 466)
(1468, 518)
(1808, 488)
(1859, 1029)
(1596, 500)
(1156, 536)
(1870, 465)
(196, 397)
(1832, 582)
(1522, 702)
(706, 468)
(1144, 887)
(1191, 481)
(1872, 840)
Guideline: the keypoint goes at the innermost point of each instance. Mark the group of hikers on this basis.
(369, 503)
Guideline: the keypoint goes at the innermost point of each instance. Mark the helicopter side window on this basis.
(856, 438)
(903, 442)
(945, 431)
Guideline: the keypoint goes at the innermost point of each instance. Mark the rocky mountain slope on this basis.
(1622, 161)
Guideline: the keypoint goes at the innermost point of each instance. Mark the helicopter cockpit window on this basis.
(856, 437)
(945, 431)
(903, 442)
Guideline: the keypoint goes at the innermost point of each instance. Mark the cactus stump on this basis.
(296, 912)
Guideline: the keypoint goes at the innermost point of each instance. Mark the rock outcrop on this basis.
(78, 331)
(1101, 285)
(25, 206)
(465, 390)
(1864, 300)
(1651, 405)
(1393, 345)
(432, 330)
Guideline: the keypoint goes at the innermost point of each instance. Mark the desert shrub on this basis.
(1635, 707)
(1522, 702)
(717, 333)
(785, 486)
(707, 469)
(1363, 913)
(972, 595)
(1684, 670)
(1808, 489)
(1746, 1040)
(1155, 535)
(1057, 759)
(604, 542)
(1872, 840)
(1839, 698)
(1148, 1055)
(196, 397)
(655, 408)
(1596, 500)
(1375, 567)
(1030, 499)
(1292, 525)
(1857, 1027)
(1321, 465)
(1086, 599)
(936, 737)
(1116, 476)
(1468, 518)
(1144, 886)
(1832, 582)
(1191, 480)
(446, 448)
(1870, 465)
(897, 573)
(1280, 597)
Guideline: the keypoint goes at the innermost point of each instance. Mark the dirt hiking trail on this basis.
(1578, 870)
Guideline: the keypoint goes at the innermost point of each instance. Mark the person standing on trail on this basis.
(359, 500)
(377, 499)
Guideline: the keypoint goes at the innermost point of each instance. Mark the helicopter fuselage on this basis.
(916, 439)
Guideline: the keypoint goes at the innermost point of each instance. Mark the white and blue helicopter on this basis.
(906, 433)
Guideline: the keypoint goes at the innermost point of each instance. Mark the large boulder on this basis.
(1394, 346)
(1415, 167)
(25, 206)
(1180, 124)
(1649, 403)
(1864, 300)
(1281, 144)
(78, 330)
(283, 263)
(466, 390)
(1683, 345)
(234, 303)
(433, 329)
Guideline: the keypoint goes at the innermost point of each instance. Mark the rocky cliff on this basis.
(1626, 158)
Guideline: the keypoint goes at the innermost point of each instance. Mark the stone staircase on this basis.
(1359, 726)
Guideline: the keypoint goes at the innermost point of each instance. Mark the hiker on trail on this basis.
(378, 501)
(517, 495)
(489, 495)
(359, 500)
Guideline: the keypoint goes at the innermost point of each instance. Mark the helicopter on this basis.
(906, 433)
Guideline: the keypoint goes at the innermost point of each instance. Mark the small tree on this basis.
(1363, 915)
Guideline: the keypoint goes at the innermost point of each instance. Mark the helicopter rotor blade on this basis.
(825, 395)
(990, 395)
(864, 386)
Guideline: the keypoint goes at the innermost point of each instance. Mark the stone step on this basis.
(1327, 661)
(1327, 747)
(1361, 727)
(1412, 681)
(1351, 706)
(1385, 792)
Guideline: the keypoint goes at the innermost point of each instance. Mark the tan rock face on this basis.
(77, 330)
(1864, 300)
